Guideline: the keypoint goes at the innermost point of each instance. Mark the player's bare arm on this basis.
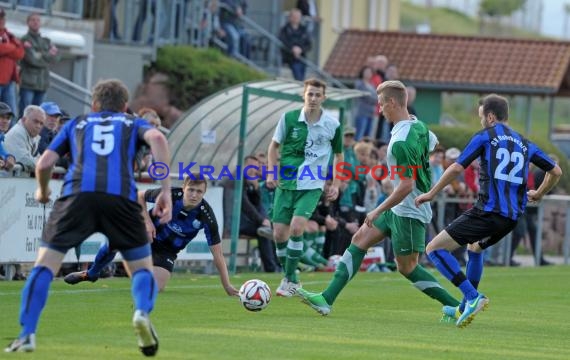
(551, 178)
(272, 155)
(149, 225)
(333, 190)
(161, 153)
(220, 264)
(404, 189)
(44, 168)
(448, 176)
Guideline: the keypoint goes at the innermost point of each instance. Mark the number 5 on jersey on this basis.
(103, 139)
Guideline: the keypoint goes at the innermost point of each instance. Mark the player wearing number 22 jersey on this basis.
(504, 156)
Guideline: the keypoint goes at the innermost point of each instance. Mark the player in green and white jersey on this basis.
(304, 139)
(397, 216)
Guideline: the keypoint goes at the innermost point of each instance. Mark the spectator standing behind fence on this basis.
(7, 160)
(309, 9)
(297, 42)
(237, 38)
(210, 25)
(365, 105)
(34, 67)
(11, 51)
(23, 139)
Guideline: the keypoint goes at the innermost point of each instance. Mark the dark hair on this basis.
(379, 143)
(497, 105)
(363, 69)
(250, 157)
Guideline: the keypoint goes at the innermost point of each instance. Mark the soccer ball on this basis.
(254, 295)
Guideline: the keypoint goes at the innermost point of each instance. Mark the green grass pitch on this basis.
(378, 316)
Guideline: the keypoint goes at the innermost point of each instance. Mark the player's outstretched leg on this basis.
(472, 307)
(315, 300)
(347, 268)
(102, 259)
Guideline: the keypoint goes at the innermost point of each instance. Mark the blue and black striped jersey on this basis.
(185, 224)
(102, 147)
(504, 156)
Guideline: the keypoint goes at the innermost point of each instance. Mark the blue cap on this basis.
(51, 108)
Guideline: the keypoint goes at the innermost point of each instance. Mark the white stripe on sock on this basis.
(422, 285)
(295, 245)
(310, 252)
(347, 260)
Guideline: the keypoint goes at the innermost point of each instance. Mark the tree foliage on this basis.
(197, 73)
(497, 8)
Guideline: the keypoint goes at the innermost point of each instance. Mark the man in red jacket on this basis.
(11, 51)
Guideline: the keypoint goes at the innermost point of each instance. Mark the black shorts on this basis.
(476, 225)
(163, 257)
(74, 218)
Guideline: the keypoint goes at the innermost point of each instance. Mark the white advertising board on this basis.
(22, 221)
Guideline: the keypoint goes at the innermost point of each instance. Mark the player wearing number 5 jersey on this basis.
(98, 195)
(504, 156)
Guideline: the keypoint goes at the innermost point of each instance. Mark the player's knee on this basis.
(312, 226)
(474, 247)
(297, 230)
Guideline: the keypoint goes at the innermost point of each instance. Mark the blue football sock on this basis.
(474, 272)
(103, 258)
(449, 267)
(34, 297)
(144, 290)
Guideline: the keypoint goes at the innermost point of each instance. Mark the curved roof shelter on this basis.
(240, 120)
(209, 133)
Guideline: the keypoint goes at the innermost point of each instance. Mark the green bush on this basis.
(195, 73)
(459, 136)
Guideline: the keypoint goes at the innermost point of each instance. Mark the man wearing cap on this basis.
(11, 51)
(7, 160)
(53, 113)
(40, 52)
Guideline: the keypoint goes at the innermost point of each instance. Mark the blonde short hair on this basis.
(393, 89)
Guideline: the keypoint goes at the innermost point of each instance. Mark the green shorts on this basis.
(289, 203)
(408, 235)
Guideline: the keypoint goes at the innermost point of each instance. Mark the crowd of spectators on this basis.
(24, 65)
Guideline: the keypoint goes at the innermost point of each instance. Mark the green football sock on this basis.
(319, 242)
(315, 257)
(306, 257)
(346, 269)
(309, 238)
(424, 281)
(281, 251)
(294, 252)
